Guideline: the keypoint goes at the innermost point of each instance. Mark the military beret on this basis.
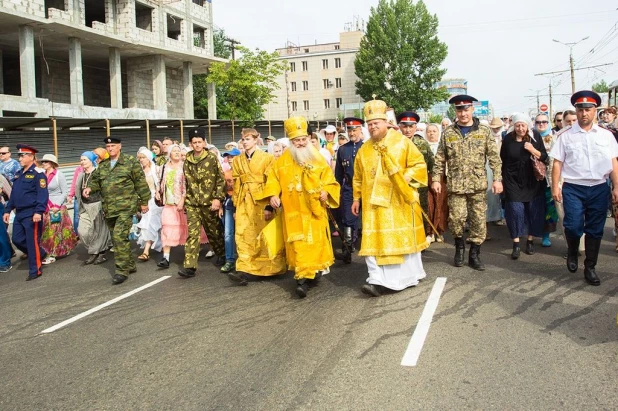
(586, 99)
(408, 117)
(26, 149)
(112, 140)
(462, 101)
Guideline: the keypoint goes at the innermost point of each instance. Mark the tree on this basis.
(246, 84)
(435, 118)
(450, 113)
(200, 86)
(400, 56)
(600, 87)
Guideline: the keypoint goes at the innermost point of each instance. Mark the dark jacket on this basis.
(519, 182)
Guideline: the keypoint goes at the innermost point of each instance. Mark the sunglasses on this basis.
(541, 122)
(1, 154)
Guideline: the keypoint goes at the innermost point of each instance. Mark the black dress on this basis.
(518, 180)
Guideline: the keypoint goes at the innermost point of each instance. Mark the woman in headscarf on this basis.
(150, 223)
(157, 150)
(101, 153)
(543, 127)
(172, 192)
(92, 228)
(437, 203)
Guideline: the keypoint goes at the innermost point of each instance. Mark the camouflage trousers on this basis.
(202, 217)
(470, 207)
(119, 227)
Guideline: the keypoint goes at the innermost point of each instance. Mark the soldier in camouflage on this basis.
(408, 121)
(123, 188)
(464, 149)
(205, 194)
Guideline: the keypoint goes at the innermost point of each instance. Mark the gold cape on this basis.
(249, 179)
(306, 233)
(386, 177)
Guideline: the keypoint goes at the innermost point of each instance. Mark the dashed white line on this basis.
(413, 352)
(100, 307)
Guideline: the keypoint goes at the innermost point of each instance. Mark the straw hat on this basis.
(496, 123)
(51, 158)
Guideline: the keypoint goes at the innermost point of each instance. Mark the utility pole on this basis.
(233, 44)
(571, 63)
(551, 106)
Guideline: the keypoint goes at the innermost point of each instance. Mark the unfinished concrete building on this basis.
(103, 58)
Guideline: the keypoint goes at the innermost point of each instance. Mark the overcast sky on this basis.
(497, 45)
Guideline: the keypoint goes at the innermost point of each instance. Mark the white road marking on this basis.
(410, 358)
(100, 307)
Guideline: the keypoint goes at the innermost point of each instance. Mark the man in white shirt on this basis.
(584, 156)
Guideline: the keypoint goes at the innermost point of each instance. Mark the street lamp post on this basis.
(570, 46)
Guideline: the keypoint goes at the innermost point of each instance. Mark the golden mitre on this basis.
(295, 127)
(375, 109)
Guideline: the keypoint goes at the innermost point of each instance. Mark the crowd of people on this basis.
(265, 206)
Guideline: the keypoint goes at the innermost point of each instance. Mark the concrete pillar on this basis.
(187, 86)
(115, 78)
(26, 62)
(1, 75)
(211, 93)
(159, 83)
(75, 67)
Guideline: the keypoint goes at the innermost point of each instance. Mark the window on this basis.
(199, 36)
(339, 102)
(338, 82)
(306, 104)
(199, 2)
(54, 4)
(336, 46)
(292, 66)
(174, 29)
(305, 66)
(337, 62)
(294, 106)
(94, 11)
(326, 103)
(143, 17)
(293, 86)
(306, 50)
(305, 85)
(325, 64)
(325, 82)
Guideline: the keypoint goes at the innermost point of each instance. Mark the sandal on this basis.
(144, 257)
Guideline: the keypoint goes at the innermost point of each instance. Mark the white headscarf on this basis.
(153, 167)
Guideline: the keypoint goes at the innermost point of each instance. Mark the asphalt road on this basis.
(523, 334)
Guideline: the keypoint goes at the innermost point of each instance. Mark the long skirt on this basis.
(173, 227)
(58, 239)
(525, 218)
(396, 276)
(551, 213)
(150, 226)
(438, 209)
(93, 231)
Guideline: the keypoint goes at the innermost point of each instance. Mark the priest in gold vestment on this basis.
(303, 184)
(249, 173)
(387, 172)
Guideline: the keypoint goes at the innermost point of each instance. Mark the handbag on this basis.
(539, 168)
(159, 202)
(55, 217)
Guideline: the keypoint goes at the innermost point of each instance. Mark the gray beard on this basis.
(304, 155)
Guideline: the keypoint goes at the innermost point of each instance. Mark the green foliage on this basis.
(200, 87)
(220, 46)
(435, 118)
(601, 87)
(246, 84)
(400, 56)
(451, 112)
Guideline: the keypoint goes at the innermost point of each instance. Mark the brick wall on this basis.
(175, 93)
(96, 87)
(55, 84)
(140, 93)
(33, 7)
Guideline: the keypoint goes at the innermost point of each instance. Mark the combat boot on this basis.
(592, 254)
(302, 288)
(460, 251)
(474, 259)
(572, 253)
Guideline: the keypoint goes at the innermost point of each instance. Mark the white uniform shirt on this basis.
(586, 156)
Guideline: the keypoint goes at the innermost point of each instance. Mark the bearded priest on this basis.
(388, 171)
(303, 184)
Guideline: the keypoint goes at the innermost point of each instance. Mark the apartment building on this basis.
(319, 82)
(103, 58)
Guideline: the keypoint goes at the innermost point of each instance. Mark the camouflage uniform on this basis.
(205, 183)
(423, 192)
(161, 160)
(465, 158)
(123, 188)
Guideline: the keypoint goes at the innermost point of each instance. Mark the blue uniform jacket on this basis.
(344, 167)
(29, 191)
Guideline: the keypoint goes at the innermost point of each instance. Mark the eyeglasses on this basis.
(558, 120)
(541, 122)
(1, 154)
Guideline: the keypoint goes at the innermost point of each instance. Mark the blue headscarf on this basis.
(91, 156)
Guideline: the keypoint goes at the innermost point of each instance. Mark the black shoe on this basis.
(302, 288)
(132, 270)
(238, 278)
(460, 250)
(100, 259)
(516, 251)
(163, 263)
(32, 277)
(220, 261)
(371, 290)
(572, 253)
(119, 278)
(529, 247)
(474, 259)
(592, 254)
(187, 272)
(91, 259)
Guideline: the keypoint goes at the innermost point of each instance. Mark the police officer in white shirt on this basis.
(584, 155)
